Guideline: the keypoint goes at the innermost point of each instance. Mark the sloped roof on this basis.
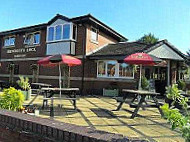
(125, 48)
(160, 43)
(120, 50)
(81, 19)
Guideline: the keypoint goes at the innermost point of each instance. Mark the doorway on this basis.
(159, 75)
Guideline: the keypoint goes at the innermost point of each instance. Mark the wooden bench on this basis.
(73, 100)
(50, 92)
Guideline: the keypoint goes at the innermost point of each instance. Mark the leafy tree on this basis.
(148, 39)
(188, 52)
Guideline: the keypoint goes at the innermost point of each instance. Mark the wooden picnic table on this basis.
(142, 94)
(41, 85)
(71, 92)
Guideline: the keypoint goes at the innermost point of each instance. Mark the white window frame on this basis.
(39, 38)
(33, 34)
(116, 71)
(70, 30)
(47, 35)
(54, 36)
(9, 43)
(96, 41)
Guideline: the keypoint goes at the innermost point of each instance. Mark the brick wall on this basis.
(19, 43)
(102, 40)
(81, 37)
(22, 127)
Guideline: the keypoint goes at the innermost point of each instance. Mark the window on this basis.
(114, 69)
(125, 70)
(74, 32)
(28, 39)
(6, 42)
(58, 30)
(94, 34)
(51, 34)
(101, 68)
(9, 41)
(37, 38)
(111, 68)
(66, 31)
(12, 41)
(31, 39)
(62, 32)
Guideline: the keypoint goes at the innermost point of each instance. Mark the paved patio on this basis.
(98, 113)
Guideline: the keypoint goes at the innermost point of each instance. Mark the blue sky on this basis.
(166, 19)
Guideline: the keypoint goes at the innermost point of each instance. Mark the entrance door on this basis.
(159, 75)
(161, 82)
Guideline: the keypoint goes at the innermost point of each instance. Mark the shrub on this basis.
(144, 83)
(174, 116)
(11, 99)
(181, 85)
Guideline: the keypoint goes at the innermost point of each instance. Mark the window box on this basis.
(110, 92)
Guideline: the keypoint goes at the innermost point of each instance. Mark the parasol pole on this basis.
(140, 77)
(69, 77)
(60, 79)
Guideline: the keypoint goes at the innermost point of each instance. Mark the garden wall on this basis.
(25, 128)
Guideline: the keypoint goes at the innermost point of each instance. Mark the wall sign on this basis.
(21, 50)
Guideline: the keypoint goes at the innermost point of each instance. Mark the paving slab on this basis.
(99, 113)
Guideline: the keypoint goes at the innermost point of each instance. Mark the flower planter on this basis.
(27, 94)
(110, 92)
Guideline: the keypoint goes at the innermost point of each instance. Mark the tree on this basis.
(188, 52)
(148, 39)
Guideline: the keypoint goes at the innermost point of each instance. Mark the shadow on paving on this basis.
(100, 112)
(58, 111)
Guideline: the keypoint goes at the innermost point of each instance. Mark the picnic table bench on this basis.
(68, 94)
(37, 86)
(142, 95)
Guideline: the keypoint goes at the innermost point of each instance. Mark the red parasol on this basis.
(58, 60)
(142, 59)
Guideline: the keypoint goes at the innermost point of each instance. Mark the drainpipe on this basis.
(83, 56)
(168, 70)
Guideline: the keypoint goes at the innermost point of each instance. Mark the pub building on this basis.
(100, 48)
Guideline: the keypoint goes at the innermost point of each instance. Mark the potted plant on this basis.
(25, 86)
(144, 83)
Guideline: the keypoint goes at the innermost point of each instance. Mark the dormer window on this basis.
(94, 34)
(66, 31)
(61, 32)
(9, 41)
(58, 31)
(32, 39)
(50, 33)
